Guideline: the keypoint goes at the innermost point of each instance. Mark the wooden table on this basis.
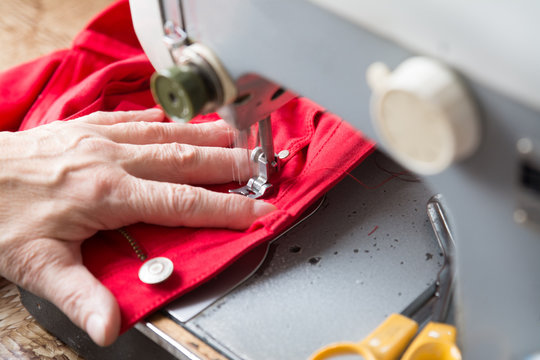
(28, 29)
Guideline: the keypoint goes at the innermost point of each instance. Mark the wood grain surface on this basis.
(28, 29)
(195, 345)
(20, 336)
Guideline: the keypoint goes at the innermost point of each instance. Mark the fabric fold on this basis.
(106, 70)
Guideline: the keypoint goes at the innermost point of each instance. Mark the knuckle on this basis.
(92, 144)
(122, 185)
(185, 157)
(108, 117)
(185, 199)
(29, 265)
(96, 117)
(100, 114)
(158, 132)
(71, 301)
(230, 204)
(102, 184)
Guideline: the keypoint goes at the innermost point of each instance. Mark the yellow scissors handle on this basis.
(386, 342)
(343, 348)
(436, 341)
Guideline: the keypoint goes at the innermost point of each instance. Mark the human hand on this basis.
(61, 183)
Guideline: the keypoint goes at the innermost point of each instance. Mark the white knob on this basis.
(423, 114)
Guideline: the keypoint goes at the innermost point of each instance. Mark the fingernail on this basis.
(262, 208)
(95, 327)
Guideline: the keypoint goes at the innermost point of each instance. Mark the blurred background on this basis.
(29, 29)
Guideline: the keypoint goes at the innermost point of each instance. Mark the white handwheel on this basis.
(423, 114)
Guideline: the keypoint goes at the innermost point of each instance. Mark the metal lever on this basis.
(445, 277)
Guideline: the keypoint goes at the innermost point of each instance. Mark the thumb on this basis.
(86, 302)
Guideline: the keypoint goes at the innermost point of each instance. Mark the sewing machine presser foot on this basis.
(258, 185)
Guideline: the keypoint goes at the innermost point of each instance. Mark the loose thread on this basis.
(241, 140)
(399, 174)
(394, 175)
(374, 229)
(382, 183)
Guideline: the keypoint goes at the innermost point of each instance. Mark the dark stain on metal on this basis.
(429, 256)
(295, 249)
(355, 250)
(314, 260)
(325, 203)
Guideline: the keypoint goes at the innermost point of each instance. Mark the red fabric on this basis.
(106, 70)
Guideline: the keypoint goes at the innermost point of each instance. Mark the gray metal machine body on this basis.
(323, 55)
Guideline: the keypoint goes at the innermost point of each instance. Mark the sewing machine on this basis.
(450, 91)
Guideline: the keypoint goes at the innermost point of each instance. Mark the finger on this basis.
(180, 163)
(216, 133)
(116, 117)
(183, 205)
(77, 293)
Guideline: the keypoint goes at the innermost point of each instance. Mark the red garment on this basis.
(107, 70)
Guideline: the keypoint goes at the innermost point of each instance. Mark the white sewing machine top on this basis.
(495, 42)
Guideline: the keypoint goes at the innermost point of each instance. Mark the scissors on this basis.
(428, 311)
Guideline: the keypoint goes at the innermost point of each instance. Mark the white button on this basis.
(283, 154)
(156, 270)
(423, 114)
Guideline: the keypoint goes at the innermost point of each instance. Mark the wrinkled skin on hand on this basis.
(61, 183)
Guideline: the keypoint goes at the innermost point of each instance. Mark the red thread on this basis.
(391, 177)
(390, 172)
(374, 229)
(394, 175)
